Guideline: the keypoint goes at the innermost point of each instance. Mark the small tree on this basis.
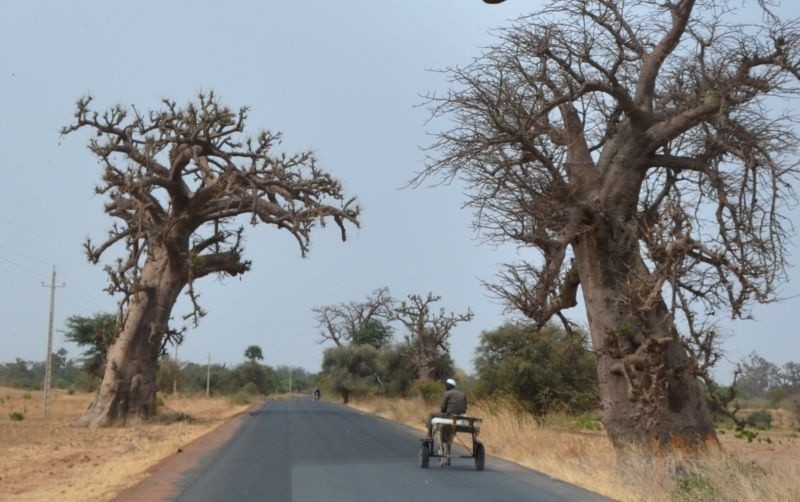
(253, 353)
(756, 376)
(789, 376)
(94, 334)
(543, 369)
(177, 181)
(351, 371)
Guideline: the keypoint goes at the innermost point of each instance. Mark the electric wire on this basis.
(37, 275)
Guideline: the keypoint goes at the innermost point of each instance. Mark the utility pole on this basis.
(290, 380)
(208, 376)
(177, 368)
(48, 362)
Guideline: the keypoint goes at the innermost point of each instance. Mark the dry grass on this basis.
(743, 471)
(49, 459)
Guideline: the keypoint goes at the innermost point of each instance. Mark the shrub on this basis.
(776, 395)
(587, 422)
(761, 419)
(240, 398)
(696, 488)
(747, 434)
(16, 416)
(250, 388)
(428, 390)
(544, 369)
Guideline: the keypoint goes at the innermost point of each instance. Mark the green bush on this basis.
(240, 398)
(351, 371)
(587, 422)
(16, 416)
(428, 390)
(546, 370)
(250, 388)
(696, 488)
(747, 434)
(761, 419)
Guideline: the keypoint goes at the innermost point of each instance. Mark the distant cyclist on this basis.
(316, 394)
(454, 402)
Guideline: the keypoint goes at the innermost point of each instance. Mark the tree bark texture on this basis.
(128, 389)
(648, 385)
(647, 388)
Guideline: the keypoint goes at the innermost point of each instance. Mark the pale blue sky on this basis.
(342, 78)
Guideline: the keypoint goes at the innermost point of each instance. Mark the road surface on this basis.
(303, 450)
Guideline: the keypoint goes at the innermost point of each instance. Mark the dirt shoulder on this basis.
(49, 459)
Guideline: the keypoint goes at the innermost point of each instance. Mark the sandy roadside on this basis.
(49, 459)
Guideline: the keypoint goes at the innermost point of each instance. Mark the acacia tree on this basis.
(253, 353)
(176, 179)
(95, 334)
(428, 331)
(632, 147)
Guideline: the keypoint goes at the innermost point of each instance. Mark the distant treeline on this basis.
(186, 377)
(543, 370)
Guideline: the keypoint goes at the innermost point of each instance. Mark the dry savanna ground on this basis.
(766, 469)
(49, 459)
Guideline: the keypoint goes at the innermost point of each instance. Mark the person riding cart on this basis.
(445, 425)
(454, 402)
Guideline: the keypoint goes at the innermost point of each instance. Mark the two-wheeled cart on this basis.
(445, 431)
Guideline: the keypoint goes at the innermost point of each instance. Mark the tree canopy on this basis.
(180, 181)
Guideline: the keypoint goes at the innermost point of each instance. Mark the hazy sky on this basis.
(341, 78)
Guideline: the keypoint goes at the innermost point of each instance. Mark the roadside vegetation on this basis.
(537, 393)
(574, 447)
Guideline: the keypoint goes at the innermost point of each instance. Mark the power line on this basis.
(15, 273)
(23, 255)
(83, 291)
(38, 275)
(82, 305)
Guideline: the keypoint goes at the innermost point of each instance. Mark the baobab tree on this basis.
(641, 150)
(357, 322)
(176, 179)
(427, 330)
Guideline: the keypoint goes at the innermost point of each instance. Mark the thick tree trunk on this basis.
(648, 389)
(427, 359)
(129, 387)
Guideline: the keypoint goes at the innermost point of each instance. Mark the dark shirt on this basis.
(454, 402)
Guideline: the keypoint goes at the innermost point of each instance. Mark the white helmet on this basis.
(450, 381)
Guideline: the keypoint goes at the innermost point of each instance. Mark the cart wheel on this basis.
(480, 457)
(424, 455)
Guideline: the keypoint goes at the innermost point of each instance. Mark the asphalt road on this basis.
(302, 450)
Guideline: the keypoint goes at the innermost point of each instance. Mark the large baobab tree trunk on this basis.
(648, 387)
(129, 386)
